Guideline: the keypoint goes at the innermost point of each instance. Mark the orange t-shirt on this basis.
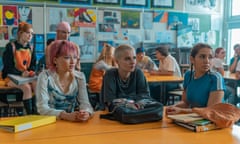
(95, 80)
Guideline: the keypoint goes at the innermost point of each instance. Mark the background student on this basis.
(144, 62)
(61, 89)
(104, 62)
(63, 33)
(167, 66)
(234, 60)
(19, 59)
(202, 87)
(167, 63)
(218, 60)
(126, 81)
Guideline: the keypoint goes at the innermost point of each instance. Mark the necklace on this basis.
(123, 83)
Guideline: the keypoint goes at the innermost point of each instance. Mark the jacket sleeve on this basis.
(33, 60)
(8, 62)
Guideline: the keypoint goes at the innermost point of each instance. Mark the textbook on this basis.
(21, 80)
(186, 118)
(198, 128)
(17, 124)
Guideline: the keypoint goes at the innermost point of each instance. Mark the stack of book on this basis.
(193, 122)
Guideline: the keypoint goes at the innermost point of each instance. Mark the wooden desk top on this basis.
(104, 131)
(66, 129)
(230, 76)
(157, 78)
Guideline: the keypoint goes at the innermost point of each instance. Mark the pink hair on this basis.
(61, 48)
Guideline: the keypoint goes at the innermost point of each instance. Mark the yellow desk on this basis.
(101, 131)
(162, 80)
(65, 130)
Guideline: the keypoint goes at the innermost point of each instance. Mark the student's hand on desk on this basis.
(83, 115)
(173, 110)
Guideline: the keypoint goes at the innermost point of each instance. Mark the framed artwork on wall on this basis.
(76, 1)
(112, 2)
(162, 3)
(134, 3)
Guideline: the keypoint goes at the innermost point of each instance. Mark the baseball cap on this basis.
(141, 49)
(64, 26)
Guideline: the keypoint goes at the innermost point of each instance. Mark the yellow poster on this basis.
(1, 15)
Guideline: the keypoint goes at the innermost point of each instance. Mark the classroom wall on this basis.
(187, 23)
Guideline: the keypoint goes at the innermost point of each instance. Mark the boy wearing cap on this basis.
(144, 62)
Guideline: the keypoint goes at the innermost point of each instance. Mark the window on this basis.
(235, 7)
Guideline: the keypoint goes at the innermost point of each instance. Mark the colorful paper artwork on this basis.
(10, 16)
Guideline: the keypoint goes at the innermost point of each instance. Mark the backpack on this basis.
(129, 112)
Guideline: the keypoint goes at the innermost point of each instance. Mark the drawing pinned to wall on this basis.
(134, 36)
(184, 36)
(160, 16)
(147, 20)
(10, 16)
(148, 35)
(203, 5)
(56, 15)
(164, 37)
(120, 34)
(4, 33)
(75, 31)
(177, 19)
(106, 28)
(12, 30)
(83, 17)
(4, 36)
(194, 22)
(89, 43)
(130, 19)
(25, 14)
(109, 16)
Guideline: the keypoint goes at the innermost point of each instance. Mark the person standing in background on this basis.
(19, 58)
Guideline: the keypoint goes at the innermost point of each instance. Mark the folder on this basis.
(20, 79)
(17, 124)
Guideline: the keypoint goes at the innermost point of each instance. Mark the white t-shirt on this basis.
(216, 64)
(170, 64)
(238, 66)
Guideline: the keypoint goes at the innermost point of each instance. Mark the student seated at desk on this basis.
(62, 89)
(234, 60)
(217, 65)
(218, 60)
(104, 62)
(202, 87)
(19, 58)
(126, 81)
(167, 66)
(167, 63)
(144, 62)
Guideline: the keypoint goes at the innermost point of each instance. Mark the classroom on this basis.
(191, 48)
